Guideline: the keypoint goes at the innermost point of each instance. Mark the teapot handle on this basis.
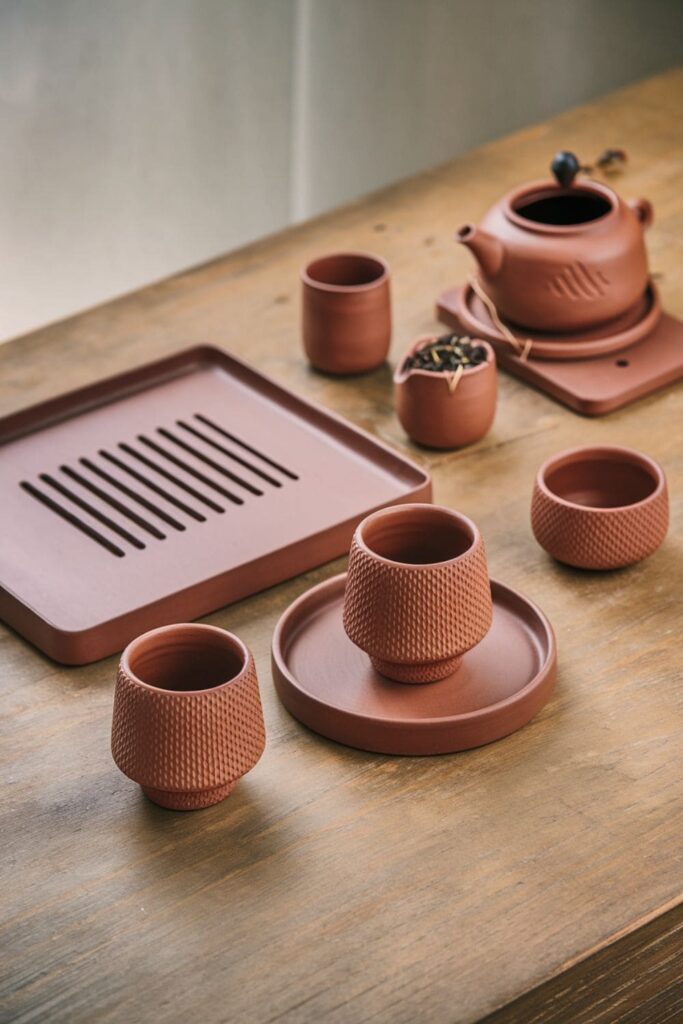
(643, 211)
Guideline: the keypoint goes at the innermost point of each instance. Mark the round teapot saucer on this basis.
(329, 684)
(618, 334)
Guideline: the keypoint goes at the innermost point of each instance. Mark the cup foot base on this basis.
(427, 672)
(188, 801)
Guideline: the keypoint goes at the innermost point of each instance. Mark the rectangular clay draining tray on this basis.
(170, 491)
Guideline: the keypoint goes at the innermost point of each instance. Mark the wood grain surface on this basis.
(337, 885)
(637, 978)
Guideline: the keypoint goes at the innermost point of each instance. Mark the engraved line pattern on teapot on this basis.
(576, 281)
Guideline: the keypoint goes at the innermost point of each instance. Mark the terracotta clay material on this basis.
(594, 386)
(187, 715)
(326, 682)
(172, 490)
(561, 259)
(417, 594)
(442, 412)
(628, 329)
(346, 312)
(600, 508)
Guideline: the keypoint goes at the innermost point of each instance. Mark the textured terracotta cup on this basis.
(417, 592)
(440, 412)
(346, 312)
(187, 715)
(600, 508)
(556, 258)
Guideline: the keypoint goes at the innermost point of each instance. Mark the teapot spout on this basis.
(487, 250)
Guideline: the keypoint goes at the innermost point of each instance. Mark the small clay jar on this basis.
(446, 410)
(346, 312)
(600, 508)
(187, 715)
(417, 592)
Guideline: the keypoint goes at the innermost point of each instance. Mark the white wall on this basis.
(140, 137)
(137, 137)
(395, 86)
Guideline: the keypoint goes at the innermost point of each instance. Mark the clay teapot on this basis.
(559, 255)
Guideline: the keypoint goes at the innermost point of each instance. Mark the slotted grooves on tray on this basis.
(137, 492)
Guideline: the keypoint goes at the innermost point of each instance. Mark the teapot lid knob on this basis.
(565, 166)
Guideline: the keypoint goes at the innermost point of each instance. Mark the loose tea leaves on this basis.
(447, 354)
(611, 160)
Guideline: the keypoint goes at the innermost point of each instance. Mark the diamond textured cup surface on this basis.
(599, 538)
(600, 507)
(413, 614)
(187, 741)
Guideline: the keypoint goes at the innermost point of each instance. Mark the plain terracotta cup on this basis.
(600, 508)
(346, 312)
(187, 715)
(438, 415)
(417, 592)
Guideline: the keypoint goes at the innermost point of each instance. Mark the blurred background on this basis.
(141, 137)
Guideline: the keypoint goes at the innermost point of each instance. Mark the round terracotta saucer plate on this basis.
(328, 683)
(626, 330)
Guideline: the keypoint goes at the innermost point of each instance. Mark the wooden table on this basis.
(538, 877)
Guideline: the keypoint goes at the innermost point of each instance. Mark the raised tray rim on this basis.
(82, 646)
(286, 683)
